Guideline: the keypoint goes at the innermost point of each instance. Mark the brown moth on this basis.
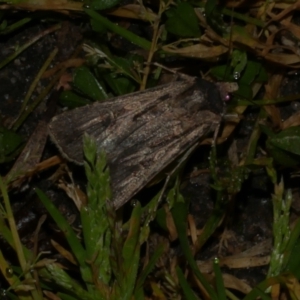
(142, 132)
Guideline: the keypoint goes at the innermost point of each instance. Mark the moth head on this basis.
(226, 89)
(215, 95)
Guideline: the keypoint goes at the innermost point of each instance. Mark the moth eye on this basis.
(227, 97)
(226, 89)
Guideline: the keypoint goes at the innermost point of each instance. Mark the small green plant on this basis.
(108, 257)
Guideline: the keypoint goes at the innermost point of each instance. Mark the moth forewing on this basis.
(142, 132)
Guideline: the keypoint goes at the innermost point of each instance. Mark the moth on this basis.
(142, 132)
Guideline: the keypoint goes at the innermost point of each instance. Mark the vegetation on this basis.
(152, 251)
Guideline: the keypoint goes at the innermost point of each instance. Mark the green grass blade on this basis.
(219, 280)
(70, 235)
(15, 26)
(62, 279)
(135, 39)
(187, 291)
(259, 290)
(65, 296)
(179, 213)
(150, 266)
(131, 253)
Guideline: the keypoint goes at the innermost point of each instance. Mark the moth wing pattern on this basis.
(142, 132)
(66, 130)
(151, 160)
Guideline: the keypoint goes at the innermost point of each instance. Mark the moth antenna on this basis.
(182, 75)
(164, 67)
